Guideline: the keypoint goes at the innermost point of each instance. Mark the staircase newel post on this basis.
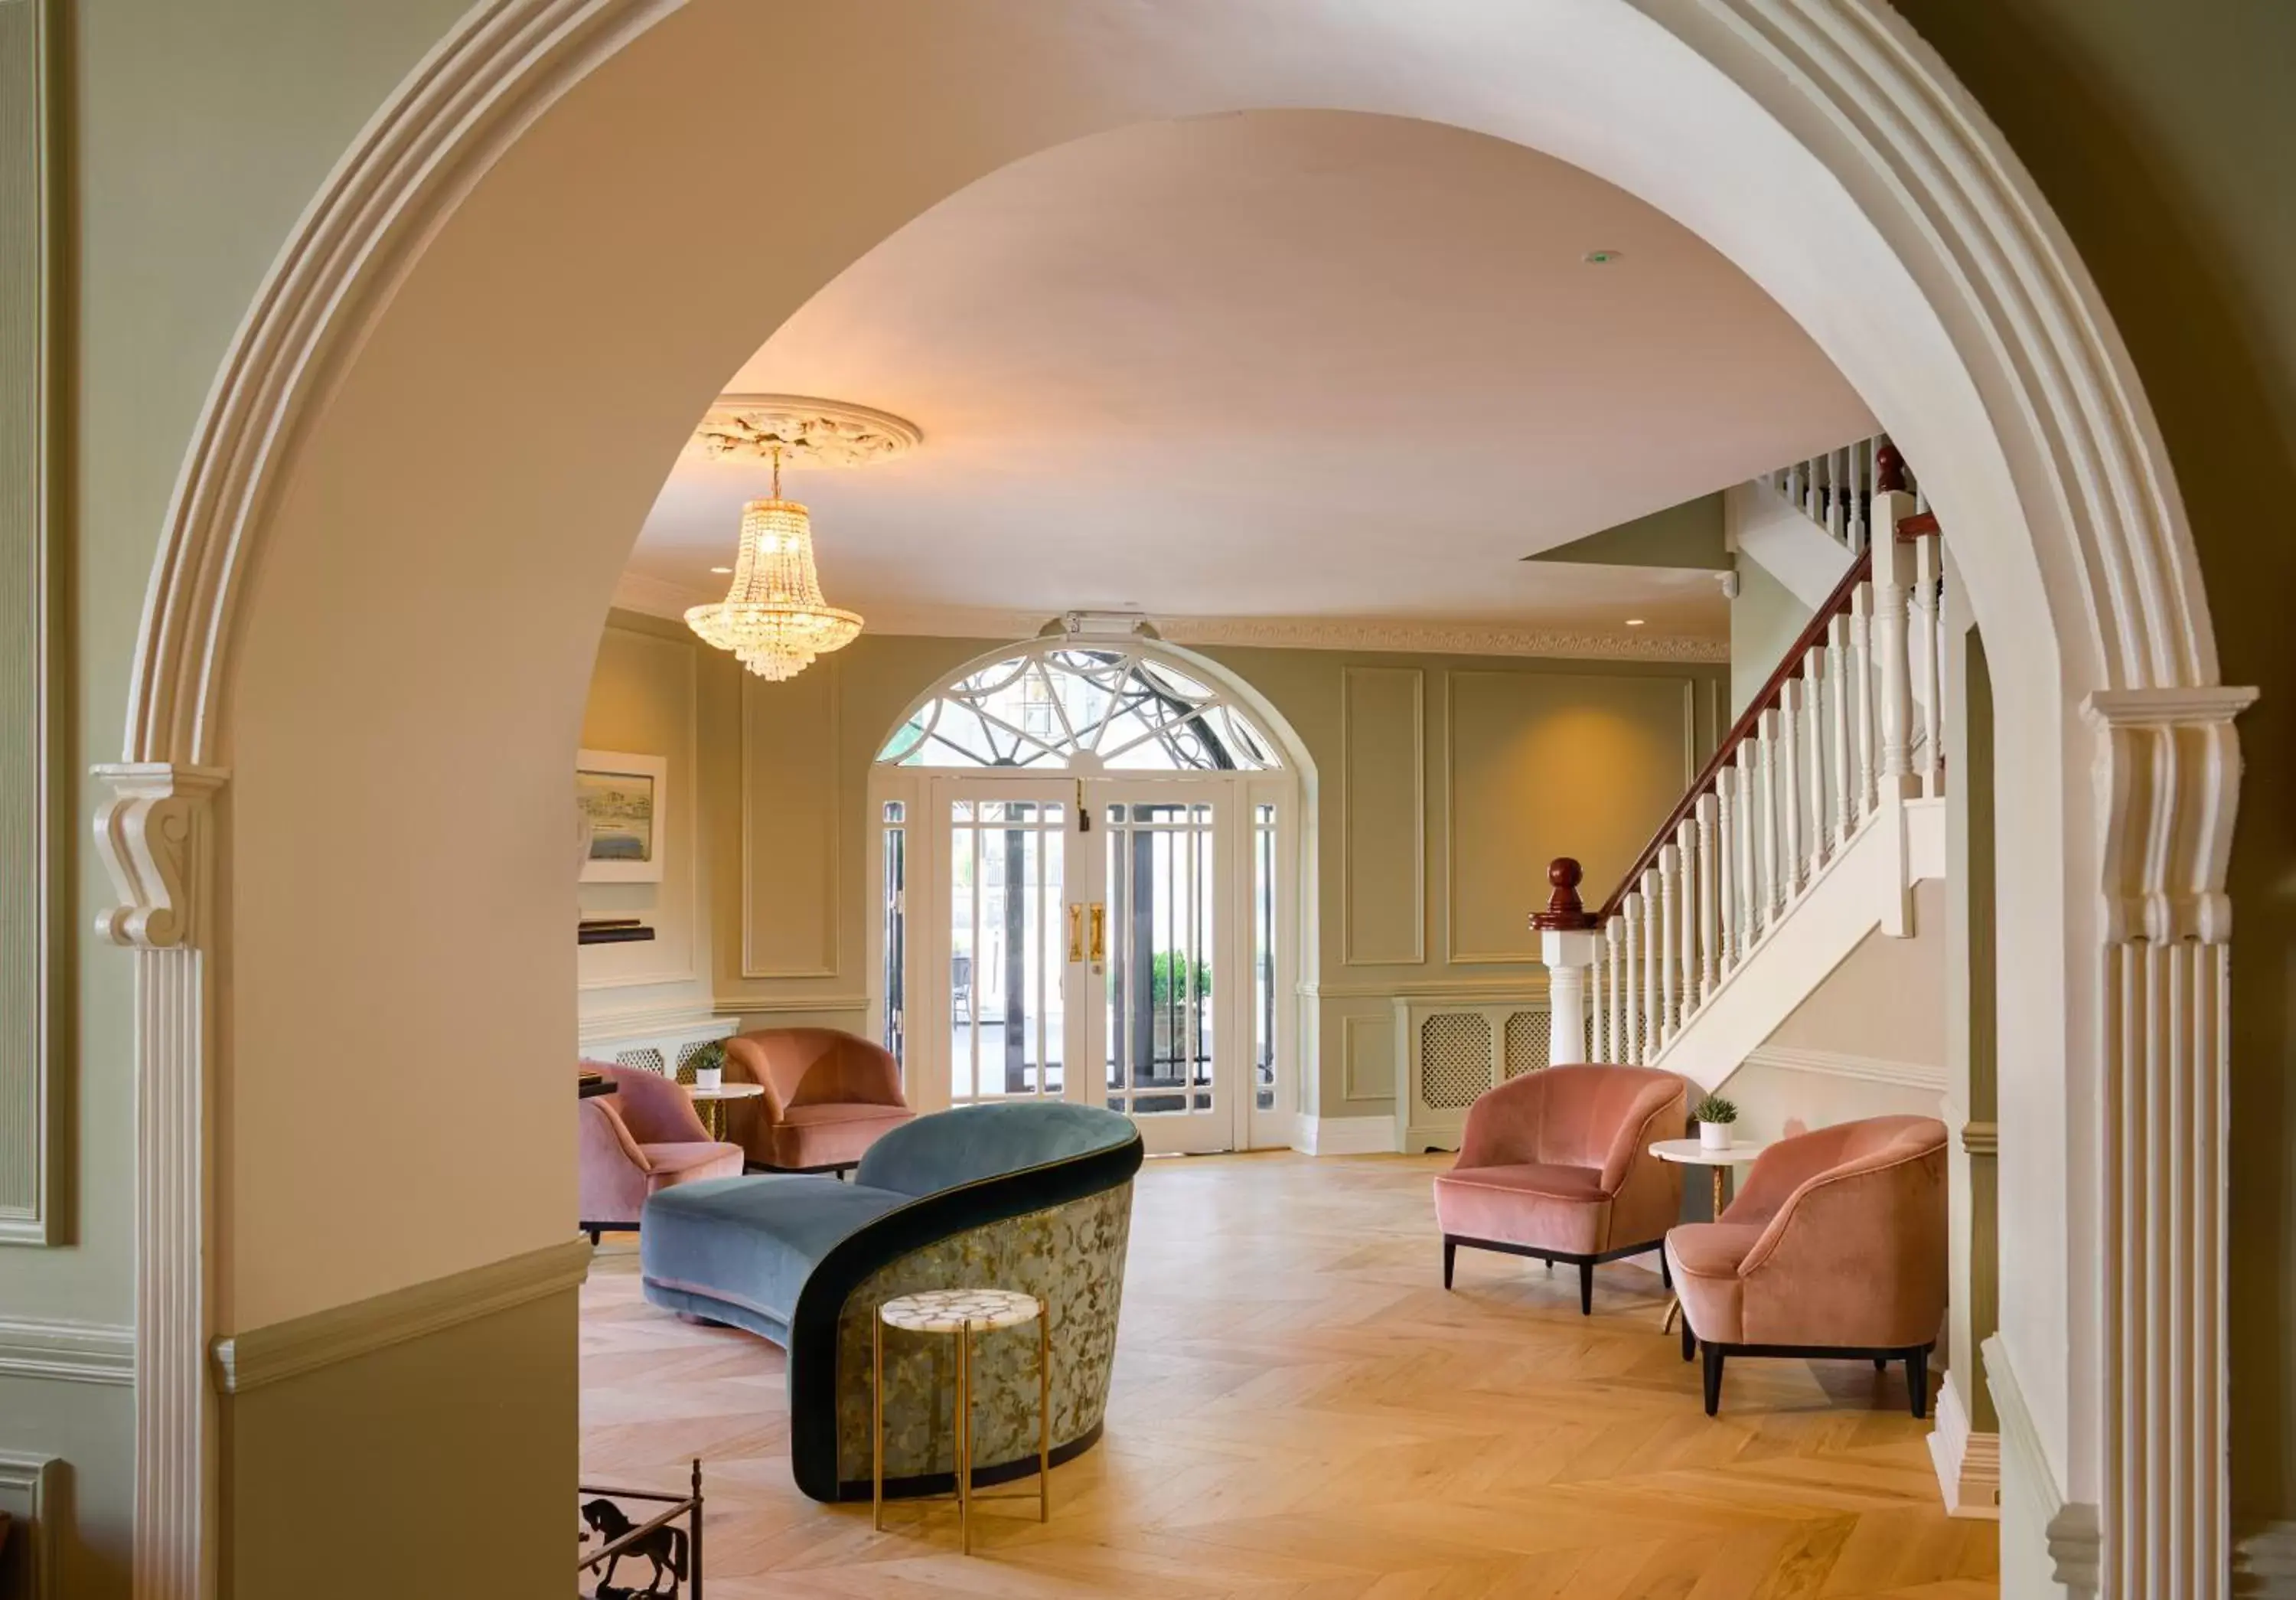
(1568, 945)
(1893, 593)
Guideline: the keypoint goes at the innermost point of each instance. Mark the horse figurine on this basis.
(665, 1546)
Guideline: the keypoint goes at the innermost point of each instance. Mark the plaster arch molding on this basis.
(1816, 142)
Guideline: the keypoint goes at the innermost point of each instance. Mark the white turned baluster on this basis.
(1654, 1018)
(1892, 596)
(1594, 1004)
(1725, 842)
(1860, 490)
(1861, 676)
(1750, 831)
(1631, 995)
(1710, 900)
(1930, 657)
(1614, 931)
(1840, 672)
(1669, 915)
(1686, 901)
(1816, 672)
(1837, 512)
(1788, 791)
(1766, 765)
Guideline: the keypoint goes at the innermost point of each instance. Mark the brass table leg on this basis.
(877, 1422)
(964, 1440)
(1045, 1411)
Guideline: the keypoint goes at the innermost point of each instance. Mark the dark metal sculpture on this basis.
(674, 1553)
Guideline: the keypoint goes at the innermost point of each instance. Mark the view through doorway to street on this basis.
(1087, 854)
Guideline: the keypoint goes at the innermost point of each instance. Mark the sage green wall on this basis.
(1765, 620)
(344, 1472)
(2164, 137)
(196, 131)
(1444, 787)
(2161, 135)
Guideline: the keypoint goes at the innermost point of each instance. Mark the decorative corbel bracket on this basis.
(156, 837)
(2167, 782)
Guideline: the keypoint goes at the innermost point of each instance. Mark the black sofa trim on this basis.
(813, 1330)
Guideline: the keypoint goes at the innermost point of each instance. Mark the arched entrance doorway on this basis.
(1090, 854)
(522, 219)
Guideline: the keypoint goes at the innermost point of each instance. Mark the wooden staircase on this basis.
(1820, 809)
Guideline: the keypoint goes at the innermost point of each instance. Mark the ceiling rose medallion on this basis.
(774, 618)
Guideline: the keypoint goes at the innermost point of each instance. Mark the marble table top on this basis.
(1690, 1152)
(947, 1311)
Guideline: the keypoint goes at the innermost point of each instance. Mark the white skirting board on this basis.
(1345, 1136)
(1968, 1463)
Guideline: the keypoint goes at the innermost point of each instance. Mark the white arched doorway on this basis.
(523, 219)
(1090, 852)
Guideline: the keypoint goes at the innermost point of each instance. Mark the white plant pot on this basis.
(710, 1078)
(1714, 1136)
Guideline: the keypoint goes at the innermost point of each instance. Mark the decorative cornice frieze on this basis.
(153, 835)
(285, 1350)
(1437, 638)
(657, 597)
(66, 1351)
(2168, 779)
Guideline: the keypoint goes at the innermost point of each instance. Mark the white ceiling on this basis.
(1291, 365)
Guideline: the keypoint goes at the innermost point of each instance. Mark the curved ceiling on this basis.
(1283, 364)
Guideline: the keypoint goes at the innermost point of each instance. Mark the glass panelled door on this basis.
(1085, 851)
(1005, 964)
(1165, 1038)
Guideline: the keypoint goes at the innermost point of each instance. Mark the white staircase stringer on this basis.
(1866, 884)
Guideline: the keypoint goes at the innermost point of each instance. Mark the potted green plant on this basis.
(708, 1064)
(1714, 1115)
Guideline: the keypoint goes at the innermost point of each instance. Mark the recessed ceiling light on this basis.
(721, 571)
(1602, 257)
(1634, 622)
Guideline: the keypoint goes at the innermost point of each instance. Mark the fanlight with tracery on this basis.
(1137, 712)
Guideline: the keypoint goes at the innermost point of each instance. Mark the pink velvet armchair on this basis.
(641, 1137)
(828, 1096)
(1555, 1164)
(1834, 1247)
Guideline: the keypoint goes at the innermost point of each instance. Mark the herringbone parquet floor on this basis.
(1301, 1413)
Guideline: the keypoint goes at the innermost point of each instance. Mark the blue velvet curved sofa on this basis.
(1035, 1196)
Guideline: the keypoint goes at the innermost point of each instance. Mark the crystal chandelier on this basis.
(774, 618)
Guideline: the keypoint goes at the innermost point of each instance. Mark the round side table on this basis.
(1690, 1152)
(711, 1103)
(963, 1312)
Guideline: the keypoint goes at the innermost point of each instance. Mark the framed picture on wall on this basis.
(622, 798)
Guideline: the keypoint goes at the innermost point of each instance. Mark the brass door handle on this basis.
(1076, 930)
(1099, 932)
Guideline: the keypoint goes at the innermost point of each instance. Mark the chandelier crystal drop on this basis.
(774, 617)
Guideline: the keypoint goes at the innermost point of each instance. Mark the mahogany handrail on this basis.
(1797, 655)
